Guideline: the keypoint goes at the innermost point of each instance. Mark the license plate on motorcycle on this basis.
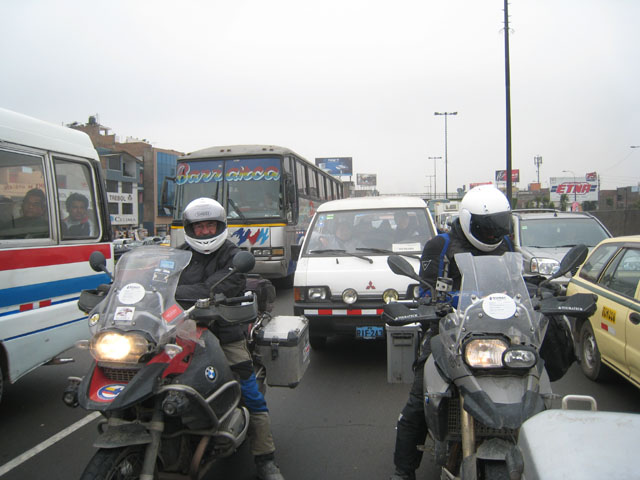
(369, 333)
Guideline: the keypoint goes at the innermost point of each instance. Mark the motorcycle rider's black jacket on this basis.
(205, 270)
(458, 243)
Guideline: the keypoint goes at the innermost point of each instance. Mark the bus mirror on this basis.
(295, 251)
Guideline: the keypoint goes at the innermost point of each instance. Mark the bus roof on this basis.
(21, 129)
(235, 150)
(367, 203)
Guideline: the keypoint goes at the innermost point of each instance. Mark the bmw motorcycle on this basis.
(485, 375)
(170, 404)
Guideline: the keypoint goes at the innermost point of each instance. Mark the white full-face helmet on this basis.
(485, 217)
(202, 210)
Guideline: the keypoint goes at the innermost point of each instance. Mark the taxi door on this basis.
(633, 339)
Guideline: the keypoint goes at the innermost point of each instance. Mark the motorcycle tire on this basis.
(590, 361)
(116, 464)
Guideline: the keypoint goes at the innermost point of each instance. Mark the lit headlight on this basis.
(390, 295)
(119, 347)
(349, 296)
(316, 294)
(544, 266)
(520, 358)
(485, 352)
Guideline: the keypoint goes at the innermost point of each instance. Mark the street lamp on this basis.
(446, 171)
(575, 199)
(434, 174)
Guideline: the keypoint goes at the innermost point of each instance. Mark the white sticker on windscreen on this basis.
(499, 306)
(131, 293)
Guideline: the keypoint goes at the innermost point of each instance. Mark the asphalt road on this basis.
(339, 423)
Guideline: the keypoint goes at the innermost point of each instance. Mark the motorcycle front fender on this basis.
(123, 436)
(437, 393)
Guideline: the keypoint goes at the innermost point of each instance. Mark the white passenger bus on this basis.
(52, 216)
(270, 194)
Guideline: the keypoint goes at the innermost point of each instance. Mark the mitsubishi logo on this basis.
(371, 286)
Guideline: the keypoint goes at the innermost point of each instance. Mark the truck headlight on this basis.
(317, 294)
(544, 266)
(390, 295)
(349, 296)
(119, 347)
(485, 352)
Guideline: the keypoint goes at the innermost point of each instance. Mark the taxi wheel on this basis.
(590, 355)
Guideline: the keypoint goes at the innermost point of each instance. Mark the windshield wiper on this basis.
(335, 250)
(236, 209)
(388, 252)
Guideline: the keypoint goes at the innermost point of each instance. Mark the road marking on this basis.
(7, 467)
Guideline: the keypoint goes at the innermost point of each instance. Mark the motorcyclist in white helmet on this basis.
(205, 230)
(482, 228)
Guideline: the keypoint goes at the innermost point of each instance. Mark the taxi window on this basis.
(624, 275)
(597, 261)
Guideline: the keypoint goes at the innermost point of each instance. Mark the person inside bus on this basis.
(205, 231)
(34, 221)
(78, 223)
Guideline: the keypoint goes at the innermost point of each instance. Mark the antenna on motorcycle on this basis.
(243, 262)
(573, 259)
(400, 266)
(99, 263)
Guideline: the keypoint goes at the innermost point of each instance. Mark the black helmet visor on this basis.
(490, 229)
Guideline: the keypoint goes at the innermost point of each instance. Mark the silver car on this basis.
(545, 236)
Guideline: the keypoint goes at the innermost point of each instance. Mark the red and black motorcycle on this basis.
(170, 403)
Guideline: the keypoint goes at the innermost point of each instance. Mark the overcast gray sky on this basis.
(354, 78)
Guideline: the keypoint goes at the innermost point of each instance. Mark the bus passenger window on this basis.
(23, 207)
(77, 202)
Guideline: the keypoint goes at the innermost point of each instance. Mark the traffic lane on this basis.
(339, 422)
(32, 409)
(613, 395)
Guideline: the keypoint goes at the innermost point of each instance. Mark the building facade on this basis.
(151, 195)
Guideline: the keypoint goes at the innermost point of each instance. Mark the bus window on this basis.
(313, 184)
(77, 202)
(25, 210)
(301, 178)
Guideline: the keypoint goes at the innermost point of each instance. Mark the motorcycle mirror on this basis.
(400, 266)
(574, 258)
(98, 263)
(243, 262)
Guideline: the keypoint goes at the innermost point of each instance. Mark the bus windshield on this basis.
(249, 188)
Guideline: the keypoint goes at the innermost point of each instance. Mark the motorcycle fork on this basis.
(156, 427)
(467, 430)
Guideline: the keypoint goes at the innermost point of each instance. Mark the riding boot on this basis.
(262, 446)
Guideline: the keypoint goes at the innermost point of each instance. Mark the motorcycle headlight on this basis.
(390, 295)
(485, 352)
(416, 291)
(544, 266)
(349, 296)
(520, 357)
(119, 347)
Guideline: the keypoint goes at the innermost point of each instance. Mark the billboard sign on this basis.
(336, 165)
(366, 179)
(501, 175)
(580, 190)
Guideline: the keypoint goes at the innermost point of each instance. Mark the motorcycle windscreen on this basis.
(494, 300)
(142, 296)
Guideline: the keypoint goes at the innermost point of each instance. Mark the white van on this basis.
(342, 280)
(53, 215)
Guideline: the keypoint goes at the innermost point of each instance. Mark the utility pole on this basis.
(507, 79)
(435, 187)
(446, 169)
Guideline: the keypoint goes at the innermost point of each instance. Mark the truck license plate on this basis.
(369, 333)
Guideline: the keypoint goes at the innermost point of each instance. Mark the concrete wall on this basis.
(620, 222)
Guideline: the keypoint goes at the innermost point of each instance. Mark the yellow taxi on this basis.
(610, 339)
